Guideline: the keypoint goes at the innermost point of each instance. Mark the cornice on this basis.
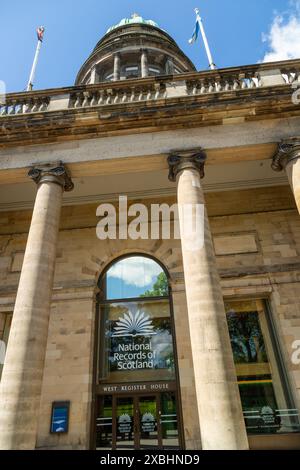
(154, 104)
(148, 194)
(152, 116)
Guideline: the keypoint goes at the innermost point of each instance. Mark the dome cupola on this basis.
(135, 19)
(134, 48)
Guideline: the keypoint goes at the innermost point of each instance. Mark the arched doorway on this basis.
(136, 385)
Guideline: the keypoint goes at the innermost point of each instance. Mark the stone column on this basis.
(170, 66)
(144, 63)
(117, 67)
(94, 76)
(220, 413)
(288, 158)
(21, 383)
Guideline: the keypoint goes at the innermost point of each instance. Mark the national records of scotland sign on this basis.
(131, 337)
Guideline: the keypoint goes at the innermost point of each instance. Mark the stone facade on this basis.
(272, 272)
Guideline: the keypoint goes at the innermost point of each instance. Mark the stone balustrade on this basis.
(23, 104)
(216, 83)
(291, 74)
(117, 95)
(153, 88)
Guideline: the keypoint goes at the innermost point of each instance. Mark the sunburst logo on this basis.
(124, 419)
(138, 324)
(148, 418)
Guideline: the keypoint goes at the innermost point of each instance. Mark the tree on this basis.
(246, 337)
(160, 287)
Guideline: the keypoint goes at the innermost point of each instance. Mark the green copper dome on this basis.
(135, 19)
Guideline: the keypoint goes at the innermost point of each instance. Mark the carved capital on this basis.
(193, 159)
(288, 150)
(57, 174)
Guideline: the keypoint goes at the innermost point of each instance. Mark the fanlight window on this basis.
(134, 277)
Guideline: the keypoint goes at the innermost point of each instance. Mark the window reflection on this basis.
(5, 324)
(124, 424)
(104, 430)
(148, 422)
(134, 277)
(169, 421)
(138, 342)
(267, 408)
(136, 326)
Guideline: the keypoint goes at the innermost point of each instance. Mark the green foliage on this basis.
(246, 337)
(160, 288)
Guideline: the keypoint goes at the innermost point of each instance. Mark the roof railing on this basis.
(156, 88)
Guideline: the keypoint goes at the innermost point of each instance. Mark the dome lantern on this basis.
(135, 19)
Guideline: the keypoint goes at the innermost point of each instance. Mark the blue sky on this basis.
(235, 30)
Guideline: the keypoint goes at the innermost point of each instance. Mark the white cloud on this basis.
(136, 271)
(284, 36)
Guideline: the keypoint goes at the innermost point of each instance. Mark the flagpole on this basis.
(35, 61)
(204, 37)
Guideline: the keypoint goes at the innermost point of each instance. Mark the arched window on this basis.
(134, 277)
(137, 403)
(135, 332)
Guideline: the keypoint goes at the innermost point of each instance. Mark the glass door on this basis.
(104, 423)
(169, 421)
(149, 422)
(136, 422)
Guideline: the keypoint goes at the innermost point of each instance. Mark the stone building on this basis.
(150, 341)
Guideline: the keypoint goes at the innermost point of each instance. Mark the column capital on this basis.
(288, 150)
(180, 160)
(55, 173)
